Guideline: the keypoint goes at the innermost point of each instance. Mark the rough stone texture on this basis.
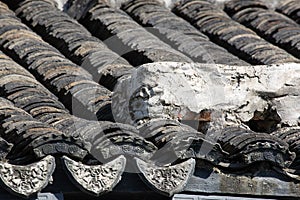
(228, 94)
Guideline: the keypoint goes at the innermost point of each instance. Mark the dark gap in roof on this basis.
(100, 31)
(266, 121)
(12, 4)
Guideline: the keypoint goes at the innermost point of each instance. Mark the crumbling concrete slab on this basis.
(231, 95)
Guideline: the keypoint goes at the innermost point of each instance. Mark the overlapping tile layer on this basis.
(59, 76)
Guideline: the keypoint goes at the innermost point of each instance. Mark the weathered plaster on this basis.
(182, 91)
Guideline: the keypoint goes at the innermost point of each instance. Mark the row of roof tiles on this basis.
(39, 93)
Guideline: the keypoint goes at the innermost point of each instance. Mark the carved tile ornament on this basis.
(28, 179)
(95, 179)
(167, 180)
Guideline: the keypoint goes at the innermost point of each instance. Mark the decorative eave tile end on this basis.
(95, 179)
(29, 179)
(167, 180)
